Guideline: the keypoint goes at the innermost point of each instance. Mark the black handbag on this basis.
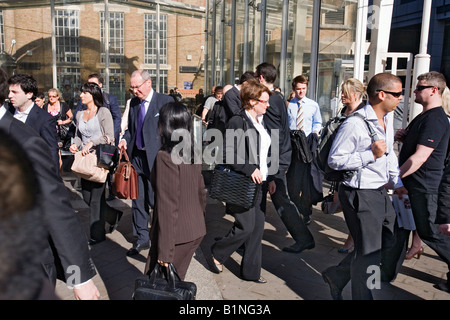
(233, 187)
(164, 284)
(107, 156)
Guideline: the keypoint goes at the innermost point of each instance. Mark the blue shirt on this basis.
(312, 119)
(351, 151)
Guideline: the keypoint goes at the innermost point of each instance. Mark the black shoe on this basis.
(114, 226)
(137, 248)
(444, 286)
(296, 248)
(216, 268)
(336, 292)
(307, 220)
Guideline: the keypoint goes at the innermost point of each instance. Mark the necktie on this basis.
(140, 122)
(299, 116)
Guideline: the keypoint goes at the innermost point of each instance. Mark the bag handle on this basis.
(169, 272)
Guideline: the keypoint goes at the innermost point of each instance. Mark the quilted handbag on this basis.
(125, 179)
(233, 187)
(164, 284)
(86, 167)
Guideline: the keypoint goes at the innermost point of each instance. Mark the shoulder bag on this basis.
(125, 179)
(86, 167)
(164, 284)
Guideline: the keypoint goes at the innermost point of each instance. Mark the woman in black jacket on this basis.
(249, 151)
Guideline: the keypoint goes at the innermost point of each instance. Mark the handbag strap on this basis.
(169, 272)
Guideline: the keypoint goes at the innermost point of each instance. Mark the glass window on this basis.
(117, 84)
(2, 33)
(162, 80)
(68, 79)
(116, 32)
(67, 26)
(150, 39)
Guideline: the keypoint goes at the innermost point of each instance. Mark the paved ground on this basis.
(290, 276)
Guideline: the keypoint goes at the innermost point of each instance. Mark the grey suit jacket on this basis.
(68, 249)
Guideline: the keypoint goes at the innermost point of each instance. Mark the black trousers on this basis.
(288, 211)
(247, 230)
(94, 196)
(296, 175)
(365, 212)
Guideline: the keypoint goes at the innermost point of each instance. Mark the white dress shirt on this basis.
(264, 144)
(312, 119)
(23, 116)
(351, 151)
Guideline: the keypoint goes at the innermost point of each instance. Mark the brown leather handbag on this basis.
(125, 179)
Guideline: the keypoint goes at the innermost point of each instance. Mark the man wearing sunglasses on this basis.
(368, 211)
(421, 160)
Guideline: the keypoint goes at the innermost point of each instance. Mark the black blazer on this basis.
(45, 125)
(244, 148)
(150, 127)
(232, 102)
(276, 117)
(67, 239)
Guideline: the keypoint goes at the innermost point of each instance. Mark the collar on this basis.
(2, 111)
(26, 112)
(150, 96)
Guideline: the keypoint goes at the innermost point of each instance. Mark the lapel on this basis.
(5, 122)
(32, 116)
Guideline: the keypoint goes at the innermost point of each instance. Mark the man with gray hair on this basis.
(141, 142)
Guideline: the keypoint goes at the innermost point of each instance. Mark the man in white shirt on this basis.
(368, 211)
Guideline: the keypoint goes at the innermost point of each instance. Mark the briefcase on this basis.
(164, 284)
(125, 179)
(233, 187)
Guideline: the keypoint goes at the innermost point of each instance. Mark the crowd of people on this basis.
(168, 217)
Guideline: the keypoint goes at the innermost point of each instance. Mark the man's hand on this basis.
(86, 291)
(272, 187)
(400, 135)
(400, 192)
(378, 148)
(122, 145)
(445, 229)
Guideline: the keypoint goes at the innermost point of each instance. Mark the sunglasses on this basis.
(420, 88)
(395, 94)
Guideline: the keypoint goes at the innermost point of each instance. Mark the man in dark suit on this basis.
(142, 142)
(276, 118)
(22, 92)
(110, 101)
(232, 97)
(67, 254)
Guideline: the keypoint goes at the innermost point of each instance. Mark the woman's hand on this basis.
(73, 148)
(60, 122)
(86, 149)
(257, 176)
(164, 264)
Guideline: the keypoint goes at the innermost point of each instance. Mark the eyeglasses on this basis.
(395, 94)
(266, 102)
(53, 96)
(420, 88)
(137, 87)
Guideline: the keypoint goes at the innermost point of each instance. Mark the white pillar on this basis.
(360, 41)
(380, 24)
(422, 59)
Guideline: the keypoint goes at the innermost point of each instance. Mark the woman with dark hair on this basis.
(178, 225)
(94, 126)
(248, 228)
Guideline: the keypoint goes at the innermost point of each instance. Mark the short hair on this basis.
(40, 95)
(299, 79)
(144, 74)
(96, 92)
(268, 71)
(96, 75)
(4, 88)
(218, 89)
(434, 78)
(381, 81)
(355, 86)
(252, 91)
(247, 75)
(27, 83)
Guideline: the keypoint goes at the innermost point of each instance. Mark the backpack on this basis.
(326, 139)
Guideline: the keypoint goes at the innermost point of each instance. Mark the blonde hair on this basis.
(58, 93)
(355, 86)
